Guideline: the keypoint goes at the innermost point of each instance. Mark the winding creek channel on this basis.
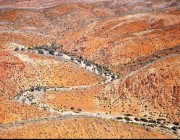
(31, 96)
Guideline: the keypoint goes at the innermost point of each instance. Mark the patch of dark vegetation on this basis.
(79, 110)
(175, 123)
(136, 119)
(128, 115)
(143, 120)
(127, 118)
(72, 108)
(31, 89)
(119, 118)
(152, 121)
(16, 49)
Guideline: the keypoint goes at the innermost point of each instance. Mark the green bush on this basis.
(127, 118)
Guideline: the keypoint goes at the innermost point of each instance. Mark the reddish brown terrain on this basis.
(89, 69)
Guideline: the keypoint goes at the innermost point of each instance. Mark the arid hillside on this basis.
(79, 128)
(113, 64)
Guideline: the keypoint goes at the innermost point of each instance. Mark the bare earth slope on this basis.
(78, 128)
(128, 62)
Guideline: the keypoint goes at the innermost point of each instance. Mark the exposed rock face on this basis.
(136, 41)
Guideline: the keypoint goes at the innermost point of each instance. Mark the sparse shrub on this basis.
(112, 76)
(99, 68)
(144, 120)
(118, 76)
(127, 114)
(31, 89)
(44, 89)
(79, 110)
(33, 103)
(152, 121)
(38, 47)
(88, 63)
(150, 125)
(46, 47)
(72, 108)
(79, 61)
(136, 119)
(51, 51)
(175, 123)
(174, 128)
(16, 49)
(38, 88)
(81, 58)
(127, 118)
(44, 108)
(119, 118)
(106, 68)
(30, 98)
(53, 46)
(40, 52)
